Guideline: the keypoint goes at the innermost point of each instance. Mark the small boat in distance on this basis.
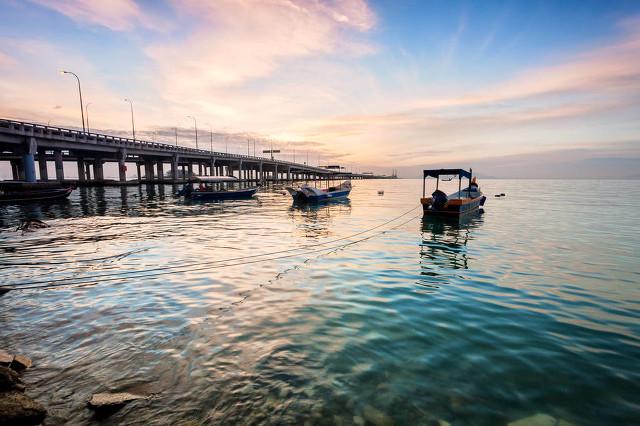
(215, 188)
(309, 194)
(22, 192)
(464, 201)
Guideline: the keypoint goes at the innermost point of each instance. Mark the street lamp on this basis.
(195, 124)
(86, 109)
(133, 125)
(211, 137)
(79, 92)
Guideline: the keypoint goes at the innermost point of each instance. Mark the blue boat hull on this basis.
(223, 195)
(328, 196)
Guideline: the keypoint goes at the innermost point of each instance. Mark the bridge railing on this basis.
(124, 142)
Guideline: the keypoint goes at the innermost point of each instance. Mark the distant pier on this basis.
(24, 145)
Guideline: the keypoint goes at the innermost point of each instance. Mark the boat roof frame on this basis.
(436, 173)
(214, 179)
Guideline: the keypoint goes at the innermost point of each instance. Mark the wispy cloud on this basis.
(117, 15)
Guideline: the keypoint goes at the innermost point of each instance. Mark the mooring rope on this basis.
(166, 270)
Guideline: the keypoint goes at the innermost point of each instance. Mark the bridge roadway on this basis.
(25, 144)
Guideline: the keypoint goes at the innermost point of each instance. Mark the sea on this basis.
(359, 311)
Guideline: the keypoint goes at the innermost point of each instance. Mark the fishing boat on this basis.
(465, 201)
(22, 192)
(309, 194)
(215, 188)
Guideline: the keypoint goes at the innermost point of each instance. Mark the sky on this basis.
(510, 88)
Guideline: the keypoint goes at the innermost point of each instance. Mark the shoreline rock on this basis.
(112, 400)
(16, 408)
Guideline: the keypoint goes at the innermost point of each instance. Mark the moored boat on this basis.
(215, 188)
(23, 192)
(460, 203)
(309, 194)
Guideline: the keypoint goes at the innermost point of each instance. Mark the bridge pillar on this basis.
(122, 167)
(98, 172)
(42, 165)
(28, 161)
(148, 170)
(199, 168)
(81, 175)
(57, 158)
(289, 173)
(87, 172)
(138, 171)
(261, 173)
(160, 170)
(174, 167)
(213, 166)
(15, 170)
(189, 170)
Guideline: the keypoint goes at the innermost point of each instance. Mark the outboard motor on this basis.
(439, 199)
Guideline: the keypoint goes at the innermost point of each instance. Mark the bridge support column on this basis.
(42, 165)
(261, 173)
(148, 170)
(122, 167)
(81, 175)
(15, 170)
(189, 170)
(174, 167)
(289, 173)
(87, 168)
(28, 161)
(98, 171)
(138, 171)
(160, 171)
(57, 158)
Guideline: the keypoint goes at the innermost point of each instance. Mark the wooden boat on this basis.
(463, 202)
(23, 192)
(310, 194)
(215, 188)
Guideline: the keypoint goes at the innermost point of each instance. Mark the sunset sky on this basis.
(511, 88)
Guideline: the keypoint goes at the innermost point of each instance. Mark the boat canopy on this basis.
(214, 179)
(436, 173)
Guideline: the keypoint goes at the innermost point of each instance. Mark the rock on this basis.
(18, 409)
(9, 380)
(375, 416)
(111, 400)
(535, 420)
(5, 358)
(21, 362)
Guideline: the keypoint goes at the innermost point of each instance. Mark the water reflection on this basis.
(314, 220)
(444, 246)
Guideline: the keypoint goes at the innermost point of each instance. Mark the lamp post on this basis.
(80, 93)
(133, 125)
(210, 137)
(195, 124)
(86, 110)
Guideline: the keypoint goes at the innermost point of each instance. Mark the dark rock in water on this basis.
(18, 409)
(9, 380)
(5, 358)
(111, 400)
(21, 362)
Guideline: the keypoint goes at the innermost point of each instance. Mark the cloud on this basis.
(117, 15)
(236, 42)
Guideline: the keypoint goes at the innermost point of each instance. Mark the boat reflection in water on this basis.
(444, 245)
(315, 220)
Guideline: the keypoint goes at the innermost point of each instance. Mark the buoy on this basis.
(380, 192)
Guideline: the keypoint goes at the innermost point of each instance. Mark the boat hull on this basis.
(454, 208)
(301, 197)
(222, 195)
(26, 196)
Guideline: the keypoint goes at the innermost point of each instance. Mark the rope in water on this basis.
(154, 272)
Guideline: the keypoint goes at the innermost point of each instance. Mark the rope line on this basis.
(179, 268)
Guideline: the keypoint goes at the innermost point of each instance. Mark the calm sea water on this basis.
(532, 307)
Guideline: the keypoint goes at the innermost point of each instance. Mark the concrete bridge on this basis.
(25, 144)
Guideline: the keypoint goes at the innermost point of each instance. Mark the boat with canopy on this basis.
(215, 188)
(464, 201)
